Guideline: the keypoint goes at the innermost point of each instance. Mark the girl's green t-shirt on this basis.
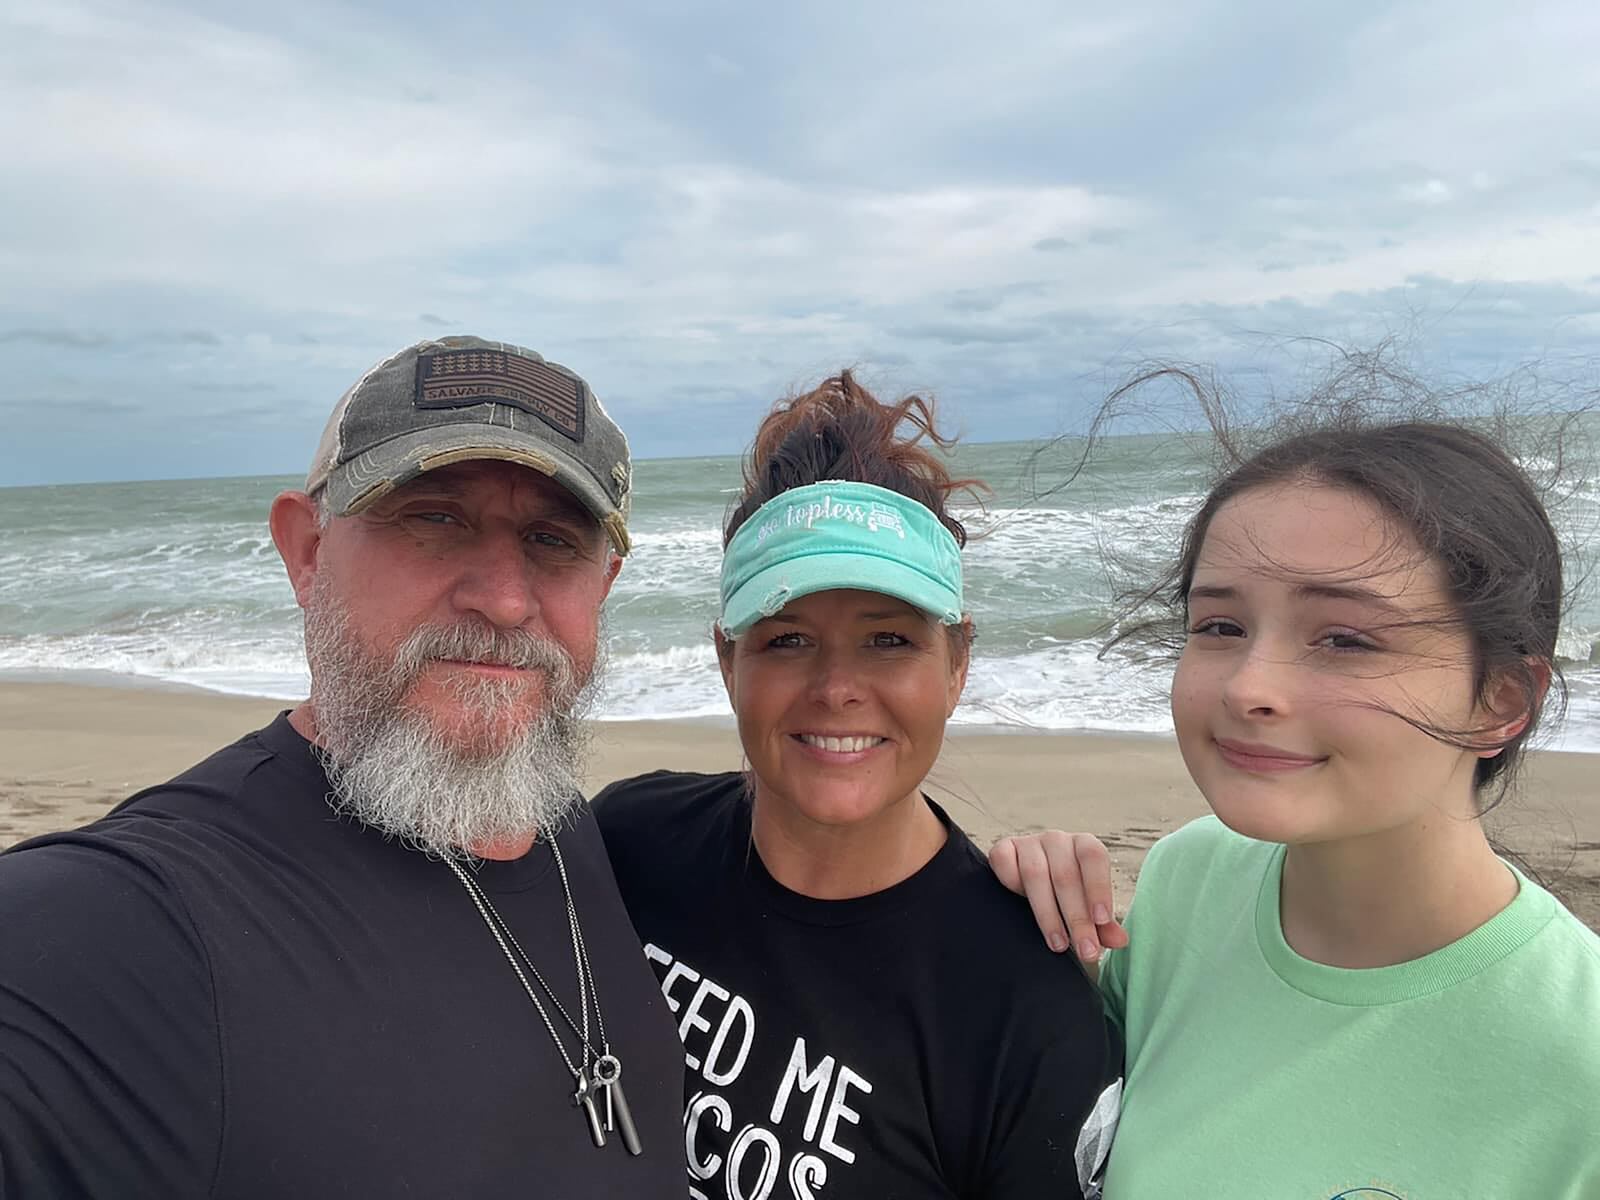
(1473, 1072)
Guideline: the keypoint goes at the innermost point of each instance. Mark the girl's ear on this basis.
(1509, 702)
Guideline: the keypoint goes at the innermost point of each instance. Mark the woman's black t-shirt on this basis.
(917, 1042)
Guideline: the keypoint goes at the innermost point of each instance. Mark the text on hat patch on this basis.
(463, 378)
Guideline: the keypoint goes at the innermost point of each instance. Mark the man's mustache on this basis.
(480, 643)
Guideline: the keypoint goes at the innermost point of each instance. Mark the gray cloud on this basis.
(965, 334)
(242, 388)
(214, 201)
(72, 339)
(83, 339)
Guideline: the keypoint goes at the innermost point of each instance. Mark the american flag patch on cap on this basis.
(462, 378)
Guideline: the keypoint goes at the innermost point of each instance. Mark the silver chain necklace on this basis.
(594, 1075)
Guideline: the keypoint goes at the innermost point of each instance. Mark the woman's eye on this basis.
(1216, 627)
(889, 641)
(784, 641)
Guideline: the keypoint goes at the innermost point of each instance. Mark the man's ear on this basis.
(297, 533)
(1509, 702)
(613, 567)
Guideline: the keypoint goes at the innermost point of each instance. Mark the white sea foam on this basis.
(271, 667)
(180, 583)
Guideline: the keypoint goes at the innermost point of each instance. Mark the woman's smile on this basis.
(840, 748)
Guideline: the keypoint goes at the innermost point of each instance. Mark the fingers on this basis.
(1037, 876)
(1066, 861)
(1094, 868)
(1006, 858)
(1003, 861)
(1066, 878)
(1113, 936)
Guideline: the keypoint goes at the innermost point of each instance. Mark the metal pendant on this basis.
(619, 1118)
(583, 1098)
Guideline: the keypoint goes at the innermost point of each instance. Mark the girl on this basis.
(865, 1012)
(1334, 988)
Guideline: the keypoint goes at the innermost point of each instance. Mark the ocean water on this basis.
(179, 582)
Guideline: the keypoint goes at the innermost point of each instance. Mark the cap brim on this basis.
(766, 592)
(373, 474)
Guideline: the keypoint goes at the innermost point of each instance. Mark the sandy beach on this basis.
(68, 752)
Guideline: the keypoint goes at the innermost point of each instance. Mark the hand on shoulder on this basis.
(1066, 878)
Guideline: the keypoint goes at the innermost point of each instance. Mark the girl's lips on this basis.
(1251, 756)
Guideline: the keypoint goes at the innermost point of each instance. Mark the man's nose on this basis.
(497, 579)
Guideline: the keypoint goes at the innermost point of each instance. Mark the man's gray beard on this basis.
(390, 769)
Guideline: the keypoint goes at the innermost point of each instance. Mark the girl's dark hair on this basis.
(1468, 506)
(840, 430)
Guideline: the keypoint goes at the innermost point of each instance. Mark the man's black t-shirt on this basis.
(221, 989)
(917, 1042)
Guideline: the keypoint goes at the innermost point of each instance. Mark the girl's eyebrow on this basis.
(1332, 591)
(1348, 591)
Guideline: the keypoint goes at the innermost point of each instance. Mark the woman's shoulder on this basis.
(992, 929)
(645, 805)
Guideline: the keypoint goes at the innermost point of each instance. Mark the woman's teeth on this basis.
(838, 745)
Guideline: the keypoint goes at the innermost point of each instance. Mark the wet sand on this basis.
(69, 752)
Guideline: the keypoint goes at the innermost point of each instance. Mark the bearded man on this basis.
(374, 949)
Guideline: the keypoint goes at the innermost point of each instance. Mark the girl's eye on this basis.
(1343, 639)
(1216, 627)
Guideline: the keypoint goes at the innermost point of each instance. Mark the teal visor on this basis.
(839, 534)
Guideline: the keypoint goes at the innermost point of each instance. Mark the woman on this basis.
(865, 1011)
(1334, 987)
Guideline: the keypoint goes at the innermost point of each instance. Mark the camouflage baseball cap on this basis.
(455, 399)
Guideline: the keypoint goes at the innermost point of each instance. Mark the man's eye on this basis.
(544, 537)
(433, 518)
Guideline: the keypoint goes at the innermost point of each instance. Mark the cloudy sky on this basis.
(215, 216)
